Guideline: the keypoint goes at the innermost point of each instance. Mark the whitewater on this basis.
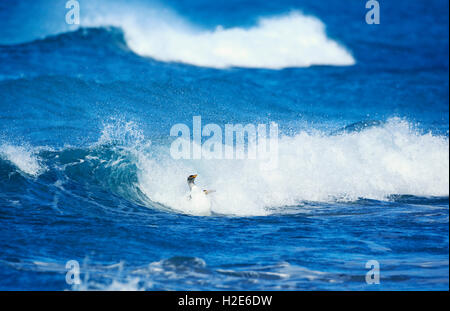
(292, 40)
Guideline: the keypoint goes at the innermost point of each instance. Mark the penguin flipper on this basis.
(208, 191)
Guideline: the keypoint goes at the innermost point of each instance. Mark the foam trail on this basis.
(374, 163)
(292, 40)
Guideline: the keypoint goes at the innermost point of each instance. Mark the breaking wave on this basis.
(373, 163)
(291, 40)
(24, 158)
(377, 162)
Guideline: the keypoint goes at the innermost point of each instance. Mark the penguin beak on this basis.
(194, 176)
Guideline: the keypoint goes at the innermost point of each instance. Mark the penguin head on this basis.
(191, 178)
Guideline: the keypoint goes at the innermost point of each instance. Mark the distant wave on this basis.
(292, 40)
(373, 163)
(289, 40)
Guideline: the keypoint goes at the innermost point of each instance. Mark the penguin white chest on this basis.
(200, 202)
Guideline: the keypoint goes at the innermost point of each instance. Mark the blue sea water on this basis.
(363, 148)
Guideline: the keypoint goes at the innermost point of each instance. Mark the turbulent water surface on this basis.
(86, 172)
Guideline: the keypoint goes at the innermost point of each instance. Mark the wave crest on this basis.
(24, 158)
(292, 40)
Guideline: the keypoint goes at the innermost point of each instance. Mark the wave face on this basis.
(292, 40)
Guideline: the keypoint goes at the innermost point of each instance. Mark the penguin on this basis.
(200, 201)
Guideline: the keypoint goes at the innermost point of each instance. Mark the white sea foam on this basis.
(290, 40)
(374, 163)
(24, 158)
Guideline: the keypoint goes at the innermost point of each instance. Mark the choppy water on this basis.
(363, 150)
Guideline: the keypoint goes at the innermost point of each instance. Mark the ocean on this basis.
(92, 198)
